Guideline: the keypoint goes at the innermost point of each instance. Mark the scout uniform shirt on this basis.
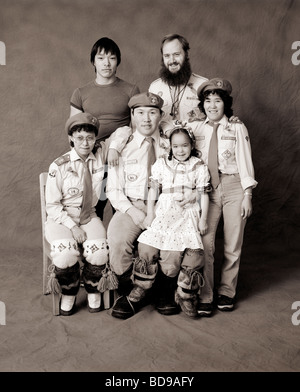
(234, 150)
(64, 189)
(187, 99)
(128, 181)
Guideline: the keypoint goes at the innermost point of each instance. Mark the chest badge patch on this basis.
(132, 177)
(226, 154)
(73, 191)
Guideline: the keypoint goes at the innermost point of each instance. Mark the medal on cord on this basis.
(176, 99)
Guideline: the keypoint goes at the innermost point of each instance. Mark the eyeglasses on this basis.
(80, 139)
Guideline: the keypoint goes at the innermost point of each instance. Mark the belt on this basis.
(226, 174)
(133, 200)
(179, 188)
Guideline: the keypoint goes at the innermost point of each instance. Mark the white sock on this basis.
(67, 302)
(94, 300)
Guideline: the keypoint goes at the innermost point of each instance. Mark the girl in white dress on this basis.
(174, 230)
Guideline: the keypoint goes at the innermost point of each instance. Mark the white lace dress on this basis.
(176, 228)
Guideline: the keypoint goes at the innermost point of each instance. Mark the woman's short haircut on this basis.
(226, 98)
(89, 128)
(83, 127)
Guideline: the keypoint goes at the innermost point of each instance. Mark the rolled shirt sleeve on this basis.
(244, 158)
(119, 138)
(115, 189)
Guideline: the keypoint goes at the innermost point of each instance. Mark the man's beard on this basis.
(178, 78)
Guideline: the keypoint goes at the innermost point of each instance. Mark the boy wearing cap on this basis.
(127, 189)
(72, 191)
(225, 147)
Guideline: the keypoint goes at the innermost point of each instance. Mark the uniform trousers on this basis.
(122, 234)
(64, 249)
(226, 199)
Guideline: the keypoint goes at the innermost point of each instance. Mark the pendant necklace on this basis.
(176, 98)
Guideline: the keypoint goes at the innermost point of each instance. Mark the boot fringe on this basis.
(187, 305)
(143, 267)
(108, 280)
(196, 280)
(53, 287)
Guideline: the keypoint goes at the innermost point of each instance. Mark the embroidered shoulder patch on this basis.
(63, 159)
(191, 86)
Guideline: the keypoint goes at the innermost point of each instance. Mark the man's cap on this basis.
(215, 84)
(146, 99)
(82, 119)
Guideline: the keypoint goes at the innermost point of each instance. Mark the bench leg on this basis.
(45, 273)
(55, 304)
(109, 297)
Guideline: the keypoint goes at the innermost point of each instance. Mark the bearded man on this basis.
(177, 84)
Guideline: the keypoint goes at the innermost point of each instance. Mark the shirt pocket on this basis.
(200, 142)
(190, 101)
(97, 174)
(228, 142)
(72, 185)
(134, 172)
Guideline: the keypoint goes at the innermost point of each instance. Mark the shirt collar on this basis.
(176, 162)
(223, 121)
(75, 157)
(140, 138)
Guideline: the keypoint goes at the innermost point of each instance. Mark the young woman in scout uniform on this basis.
(225, 147)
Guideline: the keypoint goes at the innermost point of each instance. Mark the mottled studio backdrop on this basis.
(48, 44)
(249, 42)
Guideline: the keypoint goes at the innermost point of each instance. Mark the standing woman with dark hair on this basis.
(106, 97)
(225, 147)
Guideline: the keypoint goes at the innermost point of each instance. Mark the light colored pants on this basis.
(122, 234)
(226, 200)
(64, 249)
